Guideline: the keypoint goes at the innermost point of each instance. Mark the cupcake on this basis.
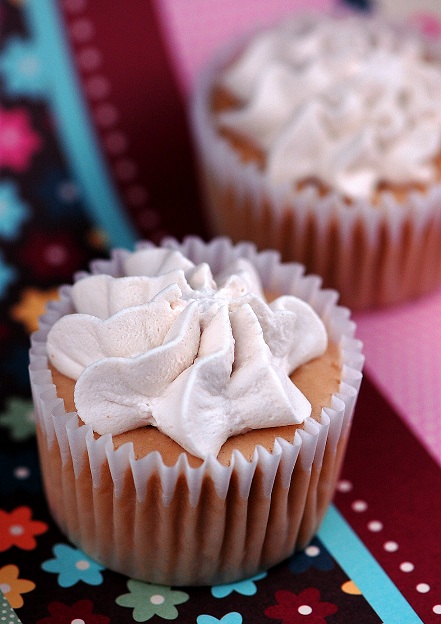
(321, 137)
(193, 404)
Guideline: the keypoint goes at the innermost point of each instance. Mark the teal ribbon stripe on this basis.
(363, 569)
(76, 132)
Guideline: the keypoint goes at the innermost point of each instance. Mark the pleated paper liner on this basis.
(374, 253)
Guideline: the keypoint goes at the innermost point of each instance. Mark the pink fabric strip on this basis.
(403, 358)
(196, 29)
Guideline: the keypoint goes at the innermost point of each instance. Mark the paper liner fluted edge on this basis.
(77, 444)
(240, 199)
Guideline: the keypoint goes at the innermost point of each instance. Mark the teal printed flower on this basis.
(73, 565)
(22, 69)
(13, 211)
(246, 587)
(230, 618)
(18, 418)
(148, 600)
(7, 277)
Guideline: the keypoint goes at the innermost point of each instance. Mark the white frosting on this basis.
(169, 345)
(349, 101)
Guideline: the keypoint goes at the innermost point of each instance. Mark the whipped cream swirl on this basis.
(349, 101)
(199, 357)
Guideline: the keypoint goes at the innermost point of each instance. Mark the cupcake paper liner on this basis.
(181, 525)
(374, 255)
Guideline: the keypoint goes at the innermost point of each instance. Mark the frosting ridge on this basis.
(170, 345)
(349, 101)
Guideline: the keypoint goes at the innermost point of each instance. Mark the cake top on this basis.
(350, 101)
(200, 357)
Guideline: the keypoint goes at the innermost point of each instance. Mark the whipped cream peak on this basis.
(155, 261)
(201, 357)
(239, 278)
(102, 295)
(349, 101)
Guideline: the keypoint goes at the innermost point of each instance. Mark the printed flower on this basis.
(19, 419)
(349, 587)
(79, 613)
(18, 141)
(53, 255)
(313, 556)
(98, 239)
(60, 196)
(31, 306)
(20, 471)
(292, 608)
(73, 565)
(148, 600)
(246, 587)
(12, 586)
(229, 618)
(22, 69)
(17, 529)
(7, 274)
(428, 23)
(13, 211)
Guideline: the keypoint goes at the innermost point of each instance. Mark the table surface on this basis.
(84, 165)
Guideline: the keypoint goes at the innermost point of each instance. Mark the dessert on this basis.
(190, 432)
(321, 137)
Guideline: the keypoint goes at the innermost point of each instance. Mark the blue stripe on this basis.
(361, 567)
(76, 132)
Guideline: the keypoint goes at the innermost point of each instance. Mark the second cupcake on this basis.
(321, 137)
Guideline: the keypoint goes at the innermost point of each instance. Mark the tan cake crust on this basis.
(318, 380)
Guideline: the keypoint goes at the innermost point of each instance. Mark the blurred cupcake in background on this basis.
(321, 137)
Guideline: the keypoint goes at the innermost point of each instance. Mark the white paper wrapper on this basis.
(182, 525)
(374, 255)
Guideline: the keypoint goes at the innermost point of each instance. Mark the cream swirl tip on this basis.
(198, 356)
